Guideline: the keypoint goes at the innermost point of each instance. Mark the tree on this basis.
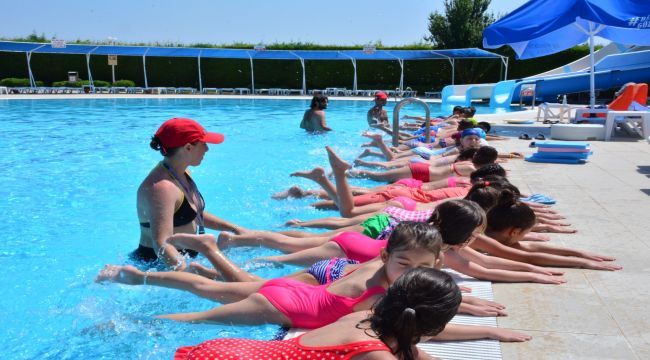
(461, 26)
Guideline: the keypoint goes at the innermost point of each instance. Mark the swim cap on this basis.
(180, 131)
(473, 131)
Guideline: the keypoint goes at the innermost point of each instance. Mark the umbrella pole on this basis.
(592, 76)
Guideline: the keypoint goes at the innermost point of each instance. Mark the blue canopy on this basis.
(543, 27)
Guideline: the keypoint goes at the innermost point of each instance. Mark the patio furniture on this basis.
(262, 91)
(155, 90)
(432, 94)
(208, 91)
(170, 90)
(619, 117)
(242, 91)
(4, 90)
(224, 91)
(119, 90)
(102, 90)
(555, 112)
(295, 91)
(135, 90)
(186, 90)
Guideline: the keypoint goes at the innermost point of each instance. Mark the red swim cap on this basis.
(179, 131)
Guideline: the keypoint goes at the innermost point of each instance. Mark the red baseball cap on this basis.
(381, 95)
(180, 131)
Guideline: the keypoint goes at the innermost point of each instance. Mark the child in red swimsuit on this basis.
(418, 304)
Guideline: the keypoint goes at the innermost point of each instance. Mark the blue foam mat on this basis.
(532, 158)
(561, 155)
(562, 144)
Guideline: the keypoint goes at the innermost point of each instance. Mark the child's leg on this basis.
(318, 175)
(388, 176)
(333, 223)
(307, 257)
(254, 310)
(196, 284)
(206, 245)
(271, 240)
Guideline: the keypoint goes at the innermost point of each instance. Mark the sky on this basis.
(331, 22)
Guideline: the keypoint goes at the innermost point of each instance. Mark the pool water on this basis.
(70, 171)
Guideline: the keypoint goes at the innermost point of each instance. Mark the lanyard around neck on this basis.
(188, 192)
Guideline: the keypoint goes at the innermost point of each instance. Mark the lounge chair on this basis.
(631, 93)
(208, 91)
(242, 91)
(4, 90)
(186, 90)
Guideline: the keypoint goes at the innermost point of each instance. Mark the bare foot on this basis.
(366, 152)
(370, 144)
(293, 223)
(373, 136)
(293, 192)
(336, 162)
(201, 243)
(314, 174)
(204, 271)
(120, 274)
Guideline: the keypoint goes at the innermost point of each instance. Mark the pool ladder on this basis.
(396, 110)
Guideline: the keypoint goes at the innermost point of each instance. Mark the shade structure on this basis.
(297, 55)
(543, 27)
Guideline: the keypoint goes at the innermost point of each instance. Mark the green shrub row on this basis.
(15, 82)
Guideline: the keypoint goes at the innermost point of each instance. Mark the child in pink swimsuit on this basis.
(418, 304)
(293, 303)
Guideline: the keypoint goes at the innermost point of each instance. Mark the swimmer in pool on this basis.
(314, 119)
(169, 202)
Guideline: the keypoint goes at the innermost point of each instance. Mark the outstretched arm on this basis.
(470, 332)
(460, 264)
(216, 223)
(493, 262)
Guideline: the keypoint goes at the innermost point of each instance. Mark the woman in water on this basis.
(169, 201)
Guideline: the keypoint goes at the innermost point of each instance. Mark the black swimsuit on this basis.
(182, 216)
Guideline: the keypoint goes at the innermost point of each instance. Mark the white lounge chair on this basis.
(4, 90)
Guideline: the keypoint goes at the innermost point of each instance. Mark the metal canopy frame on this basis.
(300, 55)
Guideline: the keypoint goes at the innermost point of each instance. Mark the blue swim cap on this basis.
(473, 131)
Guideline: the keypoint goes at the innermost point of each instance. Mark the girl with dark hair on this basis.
(169, 202)
(510, 222)
(419, 304)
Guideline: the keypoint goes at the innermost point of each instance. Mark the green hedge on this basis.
(421, 75)
(14, 82)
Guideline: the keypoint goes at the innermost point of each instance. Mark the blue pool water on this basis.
(70, 170)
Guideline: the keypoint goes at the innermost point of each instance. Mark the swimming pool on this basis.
(69, 174)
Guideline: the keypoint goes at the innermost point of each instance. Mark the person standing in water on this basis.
(314, 119)
(169, 204)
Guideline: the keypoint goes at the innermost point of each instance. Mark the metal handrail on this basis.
(396, 119)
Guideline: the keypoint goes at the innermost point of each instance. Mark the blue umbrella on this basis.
(543, 27)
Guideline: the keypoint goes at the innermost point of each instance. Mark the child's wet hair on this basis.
(509, 212)
(486, 192)
(456, 220)
(487, 170)
(409, 235)
(420, 303)
(485, 155)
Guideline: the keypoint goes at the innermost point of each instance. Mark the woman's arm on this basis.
(216, 223)
(160, 204)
